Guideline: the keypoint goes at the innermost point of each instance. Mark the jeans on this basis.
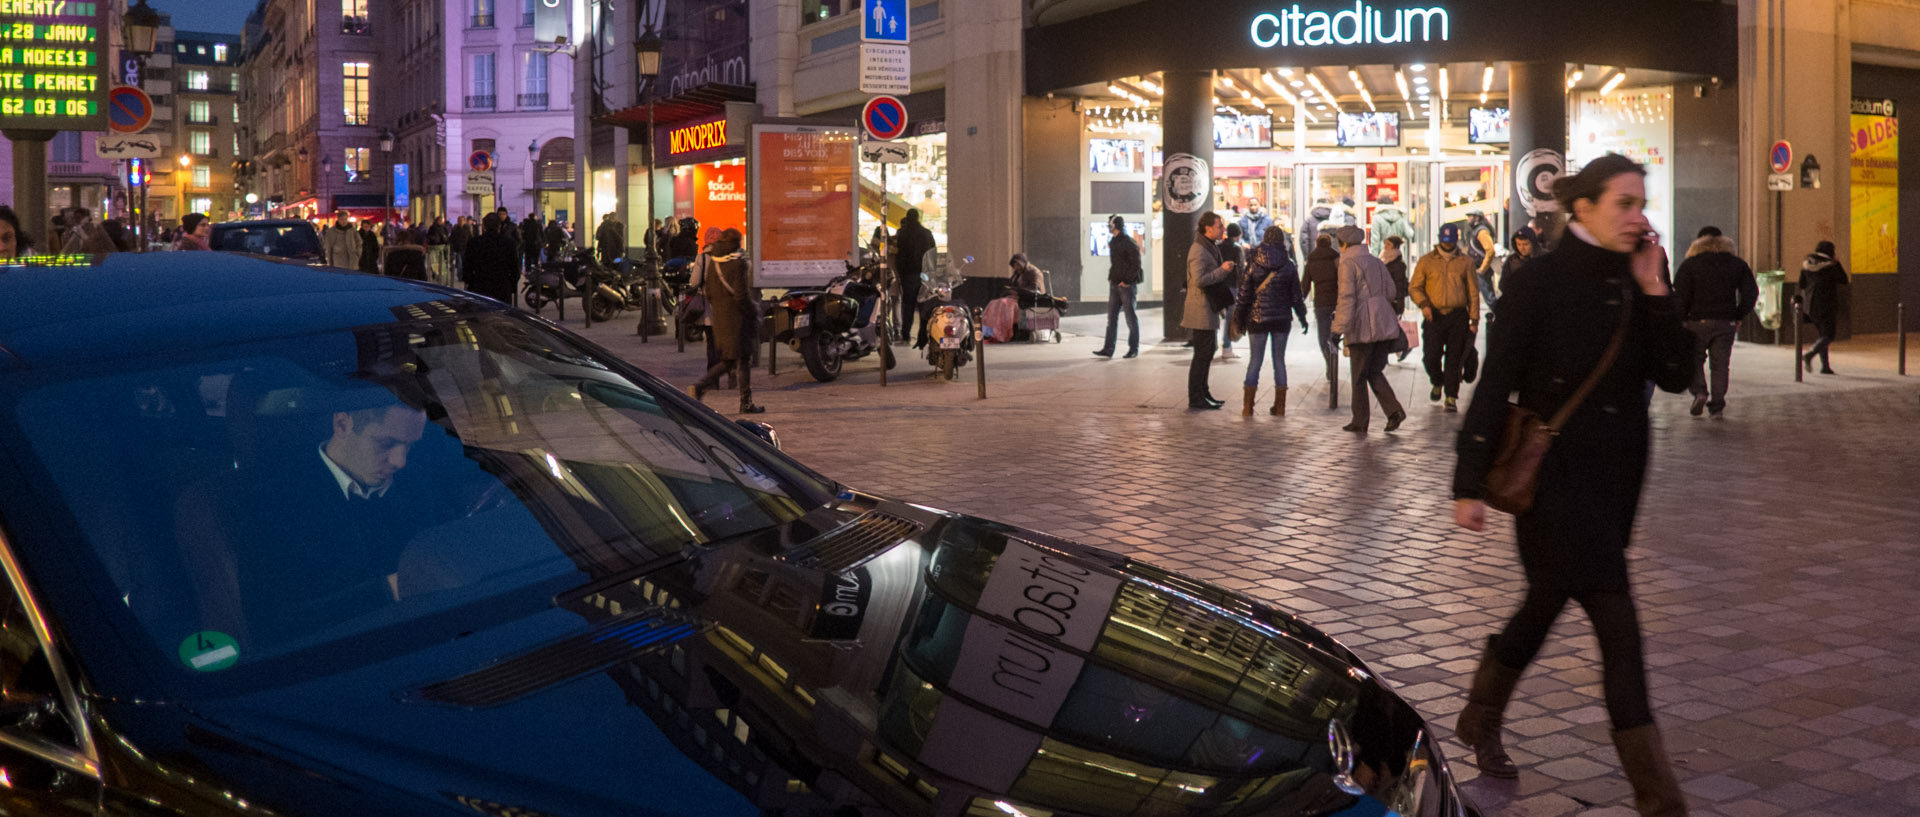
(1257, 343)
(1369, 371)
(1448, 342)
(1487, 296)
(1715, 348)
(1204, 343)
(1121, 298)
(1329, 342)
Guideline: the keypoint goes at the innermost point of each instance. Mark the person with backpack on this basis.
(1269, 295)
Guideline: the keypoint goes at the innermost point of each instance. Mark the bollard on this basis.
(648, 306)
(886, 340)
(1799, 366)
(772, 345)
(1332, 354)
(586, 302)
(980, 352)
(1900, 334)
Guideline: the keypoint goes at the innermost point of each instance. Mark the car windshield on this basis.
(281, 240)
(252, 505)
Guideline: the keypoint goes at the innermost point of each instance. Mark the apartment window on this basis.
(482, 14)
(202, 178)
(200, 112)
(200, 142)
(533, 93)
(359, 111)
(353, 17)
(813, 11)
(220, 52)
(197, 80)
(233, 81)
(526, 12)
(481, 97)
(65, 147)
(201, 204)
(200, 50)
(357, 165)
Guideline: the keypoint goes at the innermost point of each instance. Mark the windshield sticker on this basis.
(209, 651)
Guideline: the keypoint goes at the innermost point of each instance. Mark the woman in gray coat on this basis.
(1204, 269)
(1365, 317)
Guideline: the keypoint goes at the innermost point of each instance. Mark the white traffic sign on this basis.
(886, 69)
(1780, 182)
(479, 183)
(886, 153)
(127, 146)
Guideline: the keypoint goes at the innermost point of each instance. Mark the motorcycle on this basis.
(611, 290)
(949, 323)
(833, 325)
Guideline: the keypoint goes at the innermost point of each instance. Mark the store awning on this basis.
(705, 100)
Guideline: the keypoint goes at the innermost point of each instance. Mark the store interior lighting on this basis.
(1417, 68)
(1445, 88)
(1365, 96)
(1574, 78)
(1400, 79)
(1613, 82)
(1325, 94)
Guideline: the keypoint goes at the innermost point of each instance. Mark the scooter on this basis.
(833, 325)
(949, 323)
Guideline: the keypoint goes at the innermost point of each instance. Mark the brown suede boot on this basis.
(1643, 756)
(1479, 724)
(1280, 402)
(1246, 409)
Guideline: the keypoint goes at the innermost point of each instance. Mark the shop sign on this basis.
(697, 137)
(402, 185)
(1361, 25)
(53, 66)
(1533, 177)
(1873, 107)
(803, 200)
(1186, 183)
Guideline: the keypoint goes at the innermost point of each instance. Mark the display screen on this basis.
(52, 71)
(1489, 126)
(1099, 236)
(1369, 130)
(1117, 155)
(1242, 131)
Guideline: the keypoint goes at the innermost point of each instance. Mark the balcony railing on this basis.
(480, 21)
(356, 25)
(480, 103)
(533, 102)
(202, 120)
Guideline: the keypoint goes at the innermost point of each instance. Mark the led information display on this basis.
(52, 65)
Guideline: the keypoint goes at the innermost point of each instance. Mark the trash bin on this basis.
(1765, 325)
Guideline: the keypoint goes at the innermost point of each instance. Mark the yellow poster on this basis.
(1876, 187)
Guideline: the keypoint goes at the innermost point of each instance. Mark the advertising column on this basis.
(1537, 101)
(1186, 180)
(803, 201)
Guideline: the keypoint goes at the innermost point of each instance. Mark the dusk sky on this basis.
(216, 16)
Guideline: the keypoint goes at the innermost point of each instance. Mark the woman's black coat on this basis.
(1821, 278)
(1551, 326)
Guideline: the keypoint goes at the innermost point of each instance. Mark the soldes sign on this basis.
(1361, 25)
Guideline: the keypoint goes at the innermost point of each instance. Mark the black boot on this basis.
(1479, 724)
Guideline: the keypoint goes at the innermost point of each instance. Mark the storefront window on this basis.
(920, 184)
(1636, 123)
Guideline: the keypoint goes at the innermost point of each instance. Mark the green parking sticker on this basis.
(209, 651)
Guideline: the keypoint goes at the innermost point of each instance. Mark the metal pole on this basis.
(980, 350)
(886, 279)
(1900, 333)
(772, 347)
(1799, 364)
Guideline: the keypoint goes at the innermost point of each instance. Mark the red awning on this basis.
(705, 100)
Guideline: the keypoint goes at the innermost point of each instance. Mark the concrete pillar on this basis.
(775, 25)
(1796, 84)
(30, 184)
(984, 132)
(1537, 98)
(1186, 126)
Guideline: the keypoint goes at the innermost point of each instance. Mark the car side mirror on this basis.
(762, 430)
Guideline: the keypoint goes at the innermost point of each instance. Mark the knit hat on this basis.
(1350, 235)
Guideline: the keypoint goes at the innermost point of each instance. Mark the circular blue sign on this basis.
(1782, 156)
(129, 110)
(884, 117)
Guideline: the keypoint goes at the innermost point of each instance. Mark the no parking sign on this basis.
(884, 117)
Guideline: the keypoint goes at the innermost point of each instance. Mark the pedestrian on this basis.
(686, 242)
(1310, 230)
(370, 247)
(457, 241)
(1481, 245)
(736, 318)
(663, 238)
(84, 236)
(340, 243)
(696, 283)
(1124, 276)
(1232, 252)
(1391, 255)
(439, 237)
(14, 242)
(1205, 268)
(1269, 295)
(1526, 245)
(1321, 280)
(1713, 290)
(1821, 279)
(530, 242)
(610, 240)
(913, 241)
(1448, 293)
(116, 231)
(556, 237)
(1389, 222)
(196, 232)
(1557, 327)
(491, 266)
(1365, 319)
(1254, 224)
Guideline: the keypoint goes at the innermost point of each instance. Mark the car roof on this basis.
(75, 309)
(262, 222)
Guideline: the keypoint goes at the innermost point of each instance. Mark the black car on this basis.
(281, 238)
(316, 543)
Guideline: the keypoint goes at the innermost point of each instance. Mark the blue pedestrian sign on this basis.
(883, 21)
(884, 117)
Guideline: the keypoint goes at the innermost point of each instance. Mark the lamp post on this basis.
(386, 147)
(646, 52)
(139, 28)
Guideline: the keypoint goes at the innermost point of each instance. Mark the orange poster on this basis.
(805, 197)
(720, 197)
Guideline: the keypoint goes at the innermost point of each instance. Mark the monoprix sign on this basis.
(1362, 24)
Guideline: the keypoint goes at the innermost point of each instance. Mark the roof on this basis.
(77, 309)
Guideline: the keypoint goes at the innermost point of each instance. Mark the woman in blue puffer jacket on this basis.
(1270, 296)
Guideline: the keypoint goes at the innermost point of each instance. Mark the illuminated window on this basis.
(200, 142)
(813, 11)
(196, 80)
(202, 177)
(200, 205)
(234, 80)
(200, 112)
(220, 52)
(358, 109)
(482, 14)
(353, 17)
(200, 50)
(481, 96)
(357, 164)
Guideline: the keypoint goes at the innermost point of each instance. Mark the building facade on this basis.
(198, 170)
(309, 129)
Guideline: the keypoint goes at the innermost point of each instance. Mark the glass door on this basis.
(1325, 197)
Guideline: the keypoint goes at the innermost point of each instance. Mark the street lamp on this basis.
(646, 53)
(386, 146)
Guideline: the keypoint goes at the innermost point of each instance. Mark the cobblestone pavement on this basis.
(1776, 562)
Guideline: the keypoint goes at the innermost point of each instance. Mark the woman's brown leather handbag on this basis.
(1515, 474)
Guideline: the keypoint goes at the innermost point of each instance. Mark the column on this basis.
(985, 89)
(30, 184)
(1537, 98)
(1186, 126)
(775, 25)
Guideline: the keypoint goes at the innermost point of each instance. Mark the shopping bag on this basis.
(1412, 331)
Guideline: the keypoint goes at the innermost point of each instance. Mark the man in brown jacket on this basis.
(1444, 288)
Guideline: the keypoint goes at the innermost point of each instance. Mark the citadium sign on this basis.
(1361, 24)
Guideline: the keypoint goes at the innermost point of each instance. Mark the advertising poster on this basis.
(720, 196)
(1876, 187)
(1636, 123)
(803, 202)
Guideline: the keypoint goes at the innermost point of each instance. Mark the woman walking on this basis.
(1365, 318)
(736, 318)
(1558, 322)
(1270, 298)
(1821, 278)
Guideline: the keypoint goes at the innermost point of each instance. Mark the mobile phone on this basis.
(1646, 238)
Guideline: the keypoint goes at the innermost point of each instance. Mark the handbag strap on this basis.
(1600, 369)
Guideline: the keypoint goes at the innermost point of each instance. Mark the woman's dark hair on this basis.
(1274, 235)
(1823, 248)
(1396, 241)
(12, 219)
(1591, 182)
(1208, 219)
(1323, 240)
(1233, 231)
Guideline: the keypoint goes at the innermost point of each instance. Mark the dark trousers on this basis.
(742, 369)
(1448, 342)
(1827, 330)
(1329, 341)
(1205, 342)
(1120, 299)
(1369, 372)
(909, 304)
(1714, 348)
(1623, 672)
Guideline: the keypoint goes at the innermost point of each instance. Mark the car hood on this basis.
(872, 655)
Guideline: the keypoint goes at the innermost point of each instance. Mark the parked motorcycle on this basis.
(949, 322)
(833, 325)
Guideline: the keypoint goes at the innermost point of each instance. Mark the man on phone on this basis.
(1205, 268)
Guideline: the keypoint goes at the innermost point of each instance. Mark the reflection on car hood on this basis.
(872, 658)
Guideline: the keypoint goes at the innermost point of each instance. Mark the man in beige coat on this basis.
(1444, 287)
(1204, 269)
